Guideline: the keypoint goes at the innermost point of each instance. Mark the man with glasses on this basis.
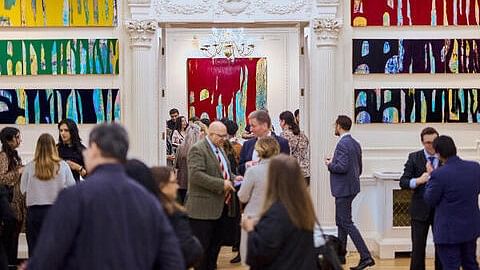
(209, 192)
(415, 175)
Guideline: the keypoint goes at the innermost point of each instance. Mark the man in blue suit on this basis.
(260, 125)
(345, 168)
(453, 190)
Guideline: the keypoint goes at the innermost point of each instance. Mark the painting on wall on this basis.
(57, 13)
(59, 56)
(417, 105)
(391, 56)
(49, 106)
(414, 12)
(219, 87)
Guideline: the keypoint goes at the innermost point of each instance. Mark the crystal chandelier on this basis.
(230, 43)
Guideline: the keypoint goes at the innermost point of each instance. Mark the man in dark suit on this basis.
(108, 221)
(345, 168)
(209, 192)
(260, 126)
(453, 190)
(414, 177)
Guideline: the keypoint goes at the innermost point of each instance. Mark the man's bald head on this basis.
(217, 133)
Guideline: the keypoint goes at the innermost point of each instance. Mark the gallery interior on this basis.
(393, 69)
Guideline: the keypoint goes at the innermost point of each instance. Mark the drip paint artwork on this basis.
(59, 57)
(417, 105)
(391, 56)
(49, 106)
(219, 87)
(414, 12)
(57, 13)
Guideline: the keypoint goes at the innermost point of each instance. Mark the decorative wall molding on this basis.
(225, 10)
(235, 7)
(327, 30)
(139, 1)
(141, 32)
(181, 7)
(291, 6)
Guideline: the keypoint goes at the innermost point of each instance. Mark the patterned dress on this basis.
(300, 149)
(12, 179)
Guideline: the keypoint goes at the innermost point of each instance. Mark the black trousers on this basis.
(209, 233)
(419, 244)
(35, 216)
(455, 255)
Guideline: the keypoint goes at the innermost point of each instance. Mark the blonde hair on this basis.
(202, 126)
(285, 184)
(47, 161)
(267, 147)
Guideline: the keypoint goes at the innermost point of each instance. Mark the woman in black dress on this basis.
(70, 148)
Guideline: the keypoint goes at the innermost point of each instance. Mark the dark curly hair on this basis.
(7, 134)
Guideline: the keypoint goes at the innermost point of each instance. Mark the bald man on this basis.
(209, 191)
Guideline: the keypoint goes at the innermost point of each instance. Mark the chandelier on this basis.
(230, 43)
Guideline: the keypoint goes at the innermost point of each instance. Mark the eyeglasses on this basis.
(223, 136)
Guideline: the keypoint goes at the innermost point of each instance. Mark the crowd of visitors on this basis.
(89, 207)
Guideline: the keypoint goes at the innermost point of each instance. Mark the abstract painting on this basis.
(59, 56)
(417, 105)
(392, 56)
(55, 13)
(219, 87)
(49, 106)
(415, 12)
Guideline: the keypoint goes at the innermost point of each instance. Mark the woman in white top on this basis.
(42, 180)
(254, 185)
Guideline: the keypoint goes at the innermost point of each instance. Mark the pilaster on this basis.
(142, 109)
(322, 112)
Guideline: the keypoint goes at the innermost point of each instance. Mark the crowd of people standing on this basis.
(217, 190)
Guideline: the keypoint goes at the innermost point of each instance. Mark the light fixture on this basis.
(230, 43)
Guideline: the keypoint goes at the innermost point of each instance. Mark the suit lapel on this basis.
(213, 156)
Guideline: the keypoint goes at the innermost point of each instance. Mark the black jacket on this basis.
(277, 244)
(191, 248)
(415, 167)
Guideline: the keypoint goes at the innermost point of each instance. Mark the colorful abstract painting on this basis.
(415, 12)
(417, 105)
(392, 56)
(49, 106)
(55, 13)
(59, 57)
(219, 87)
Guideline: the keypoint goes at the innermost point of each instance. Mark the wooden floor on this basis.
(352, 260)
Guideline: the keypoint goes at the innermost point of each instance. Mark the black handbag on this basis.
(328, 253)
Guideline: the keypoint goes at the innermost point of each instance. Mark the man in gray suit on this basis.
(209, 191)
(345, 168)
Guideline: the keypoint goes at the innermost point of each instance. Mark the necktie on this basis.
(431, 159)
(222, 168)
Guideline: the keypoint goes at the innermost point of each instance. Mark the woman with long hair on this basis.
(298, 142)
(283, 237)
(43, 178)
(180, 132)
(162, 183)
(254, 185)
(193, 135)
(70, 148)
(13, 207)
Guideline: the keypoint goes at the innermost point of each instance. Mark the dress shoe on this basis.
(342, 259)
(237, 259)
(364, 263)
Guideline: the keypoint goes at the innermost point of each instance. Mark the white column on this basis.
(322, 113)
(142, 116)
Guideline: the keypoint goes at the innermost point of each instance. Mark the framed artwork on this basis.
(391, 56)
(59, 57)
(49, 106)
(414, 12)
(445, 105)
(219, 87)
(58, 13)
